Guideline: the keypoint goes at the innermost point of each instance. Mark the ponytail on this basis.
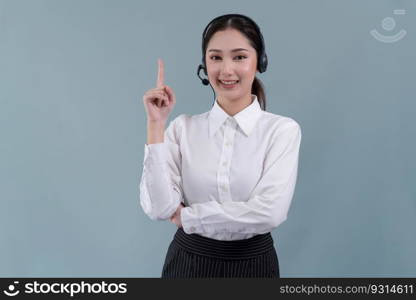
(257, 89)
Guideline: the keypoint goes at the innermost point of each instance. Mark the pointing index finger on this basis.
(160, 74)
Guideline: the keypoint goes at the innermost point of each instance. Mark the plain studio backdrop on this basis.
(73, 128)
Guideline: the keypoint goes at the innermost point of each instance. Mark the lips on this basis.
(228, 84)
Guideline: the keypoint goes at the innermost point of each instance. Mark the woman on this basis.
(225, 177)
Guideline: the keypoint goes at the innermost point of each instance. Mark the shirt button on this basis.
(224, 188)
(192, 229)
(224, 163)
(228, 144)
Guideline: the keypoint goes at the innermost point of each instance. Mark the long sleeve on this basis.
(268, 204)
(161, 182)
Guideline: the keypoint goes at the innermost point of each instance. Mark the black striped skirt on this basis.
(196, 256)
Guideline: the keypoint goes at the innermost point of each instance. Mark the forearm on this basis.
(158, 197)
(160, 190)
(241, 217)
(155, 132)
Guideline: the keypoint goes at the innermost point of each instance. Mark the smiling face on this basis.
(230, 57)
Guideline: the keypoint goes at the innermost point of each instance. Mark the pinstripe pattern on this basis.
(195, 256)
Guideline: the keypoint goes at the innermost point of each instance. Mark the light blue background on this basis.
(72, 129)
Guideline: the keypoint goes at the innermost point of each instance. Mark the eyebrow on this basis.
(234, 50)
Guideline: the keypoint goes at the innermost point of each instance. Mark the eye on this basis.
(214, 57)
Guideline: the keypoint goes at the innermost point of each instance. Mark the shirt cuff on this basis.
(155, 153)
(190, 222)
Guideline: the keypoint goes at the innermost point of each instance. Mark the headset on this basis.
(261, 53)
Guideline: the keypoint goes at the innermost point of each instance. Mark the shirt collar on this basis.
(246, 119)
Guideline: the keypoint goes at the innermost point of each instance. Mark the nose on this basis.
(226, 67)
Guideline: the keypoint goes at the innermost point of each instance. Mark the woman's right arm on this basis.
(161, 191)
(155, 132)
(160, 186)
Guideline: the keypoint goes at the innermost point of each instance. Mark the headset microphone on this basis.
(204, 81)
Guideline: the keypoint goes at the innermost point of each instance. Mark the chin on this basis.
(230, 96)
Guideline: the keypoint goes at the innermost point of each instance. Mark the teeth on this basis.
(228, 82)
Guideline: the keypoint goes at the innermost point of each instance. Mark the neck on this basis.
(232, 107)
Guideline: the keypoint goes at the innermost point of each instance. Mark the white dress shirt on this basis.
(236, 175)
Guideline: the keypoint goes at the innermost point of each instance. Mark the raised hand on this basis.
(159, 101)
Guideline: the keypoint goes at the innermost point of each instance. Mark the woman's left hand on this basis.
(176, 217)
